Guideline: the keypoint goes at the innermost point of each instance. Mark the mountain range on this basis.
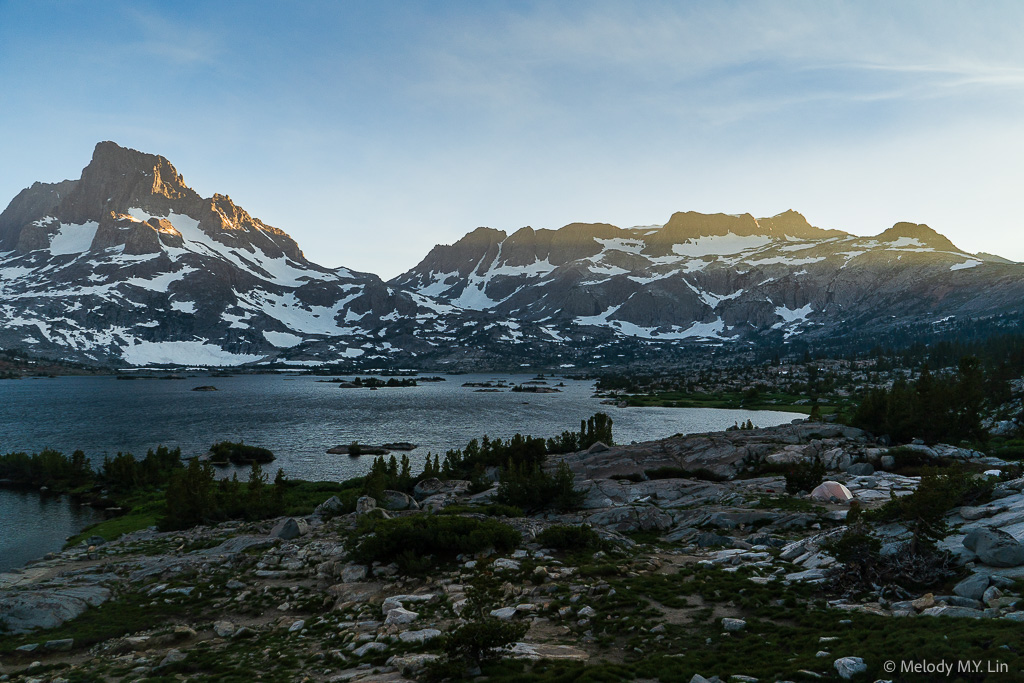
(129, 266)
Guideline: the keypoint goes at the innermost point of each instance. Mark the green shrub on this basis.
(565, 537)
(941, 490)
(427, 536)
(804, 476)
(481, 641)
(531, 488)
(238, 454)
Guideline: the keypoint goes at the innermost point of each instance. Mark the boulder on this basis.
(396, 500)
(861, 469)
(412, 663)
(354, 572)
(836, 459)
(289, 528)
(400, 615)
(848, 667)
(995, 548)
(61, 645)
(365, 504)
(433, 487)
(421, 636)
(971, 514)
(224, 629)
(331, 506)
(733, 625)
(972, 587)
(368, 648)
(173, 657)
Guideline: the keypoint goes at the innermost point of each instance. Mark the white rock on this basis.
(420, 636)
(400, 615)
(733, 625)
(369, 647)
(505, 563)
(848, 667)
(223, 628)
(353, 573)
(504, 613)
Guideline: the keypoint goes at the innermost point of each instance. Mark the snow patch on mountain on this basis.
(965, 265)
(184, 306)
(720, 245)
(73, 239)
(790, 315)
(282, 340)
(182, 353)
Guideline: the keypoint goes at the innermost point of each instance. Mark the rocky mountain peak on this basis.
(926, 236)
(792, 223)
(692, 225)
(119, 178)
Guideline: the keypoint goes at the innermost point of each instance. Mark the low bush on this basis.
(862, 568)
(804, 476)
(941, 490)
(565, 537)
(440, 538)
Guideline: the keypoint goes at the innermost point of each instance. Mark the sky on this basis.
(371, 131)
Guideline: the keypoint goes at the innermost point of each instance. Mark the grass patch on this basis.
(786, 503)
(144, 510)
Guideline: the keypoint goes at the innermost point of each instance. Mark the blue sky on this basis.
(371, 131)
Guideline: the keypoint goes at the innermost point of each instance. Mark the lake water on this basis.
(31, 525)
(299, 418)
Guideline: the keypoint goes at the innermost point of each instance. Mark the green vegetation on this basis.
(597, 428)
(759, 400)
(565, 537)
(63, 474)
(518, 463)
(226, 452)
(475, 643)
(531, 488)
(945, 408)
(416, 544)
(941, 490)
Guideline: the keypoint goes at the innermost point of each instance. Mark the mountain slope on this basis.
(129, 263)
(716, 278)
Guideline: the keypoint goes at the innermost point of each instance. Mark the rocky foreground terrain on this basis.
(718, 575)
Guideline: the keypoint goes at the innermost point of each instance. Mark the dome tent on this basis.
(832, 490)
